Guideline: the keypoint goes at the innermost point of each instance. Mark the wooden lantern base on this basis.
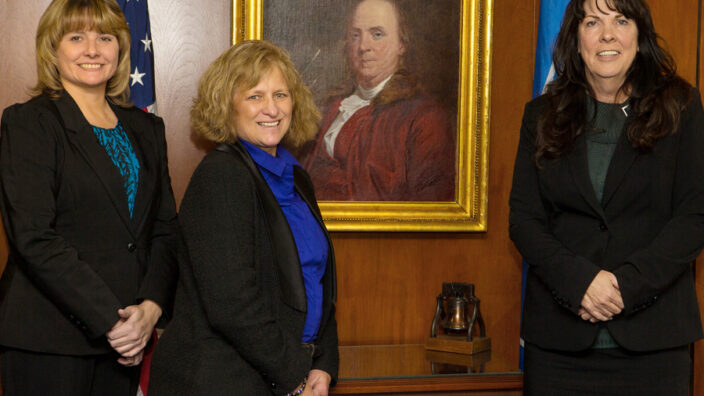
(459, 359)
(458, 344)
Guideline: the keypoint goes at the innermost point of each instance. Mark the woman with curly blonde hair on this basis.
(254, 311)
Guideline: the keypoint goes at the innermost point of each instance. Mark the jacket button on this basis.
(273, 385)
(602, 227)
(131, 247)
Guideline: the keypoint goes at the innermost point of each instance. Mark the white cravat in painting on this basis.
(360, 98)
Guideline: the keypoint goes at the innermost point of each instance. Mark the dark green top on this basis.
(602, 133)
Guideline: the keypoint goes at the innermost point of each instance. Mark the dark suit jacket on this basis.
(648, 230)
(75, 254)
(240, 302)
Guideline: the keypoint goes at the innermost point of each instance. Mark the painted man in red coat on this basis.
(382, 138)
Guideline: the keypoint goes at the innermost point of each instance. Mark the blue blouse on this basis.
(119, 149)
(309, 237)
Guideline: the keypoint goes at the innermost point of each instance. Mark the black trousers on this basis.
(613, 371)
(29, 373)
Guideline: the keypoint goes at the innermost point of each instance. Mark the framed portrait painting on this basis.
(403, 90)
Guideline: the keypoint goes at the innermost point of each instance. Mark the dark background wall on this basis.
(387, 281)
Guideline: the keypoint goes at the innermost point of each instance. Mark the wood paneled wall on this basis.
(387, 281)
(190, 36)
(677, 23)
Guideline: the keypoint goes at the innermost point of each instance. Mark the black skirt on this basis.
(35, 373)
(614, 371)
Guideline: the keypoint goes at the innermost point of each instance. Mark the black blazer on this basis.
(240, 302)
(75, 254)
(648, 230)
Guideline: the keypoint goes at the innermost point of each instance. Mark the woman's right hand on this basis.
(133, 330)
(602, 300)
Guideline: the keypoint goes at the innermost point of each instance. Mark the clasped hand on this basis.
(602, 300)
(318, 383)
(132, 331)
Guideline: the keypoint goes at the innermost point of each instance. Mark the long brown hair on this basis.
(656, 93)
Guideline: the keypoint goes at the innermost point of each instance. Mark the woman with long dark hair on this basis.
(607, 207)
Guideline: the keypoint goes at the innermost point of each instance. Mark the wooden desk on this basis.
(410, 369)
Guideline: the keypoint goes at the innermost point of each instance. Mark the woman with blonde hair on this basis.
(89, 214)
(254, 311)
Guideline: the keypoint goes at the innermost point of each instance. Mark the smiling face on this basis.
(374, 46)
(86, 60)
(608, 43)
(263, 112)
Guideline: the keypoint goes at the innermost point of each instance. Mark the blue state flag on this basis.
(551, 13)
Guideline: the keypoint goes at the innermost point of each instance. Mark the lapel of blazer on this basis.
(621, 162)
(81, 135)
(579, 168)
(304, 187)
(285, 250)
(144, 148)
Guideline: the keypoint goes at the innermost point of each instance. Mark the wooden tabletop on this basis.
(373, 369)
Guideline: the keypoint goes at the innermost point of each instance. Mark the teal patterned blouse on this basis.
(119, 149)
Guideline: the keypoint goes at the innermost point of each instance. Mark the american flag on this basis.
(141, 54)
(143, 96)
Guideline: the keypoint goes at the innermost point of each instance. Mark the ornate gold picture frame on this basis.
(468, 210)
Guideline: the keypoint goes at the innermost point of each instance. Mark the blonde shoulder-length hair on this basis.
(65, 16)
(240, 68)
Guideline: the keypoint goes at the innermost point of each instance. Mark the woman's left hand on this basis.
(602, 300)
(131, 333)
(318, 382)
